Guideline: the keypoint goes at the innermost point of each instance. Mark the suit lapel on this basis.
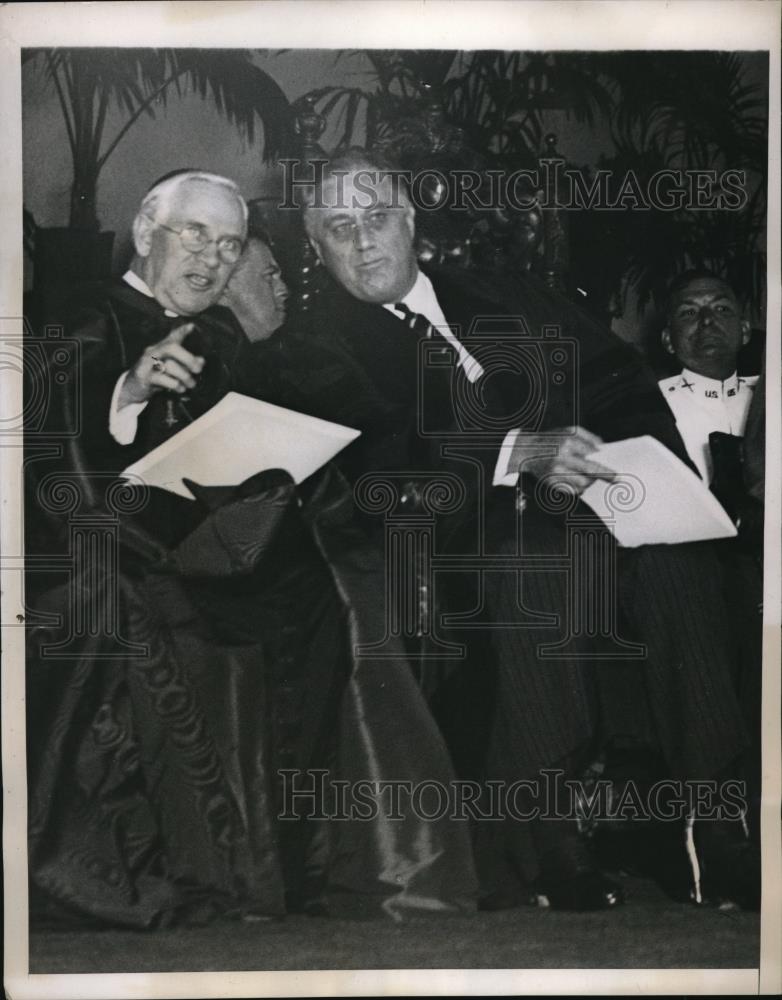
(380, 345)
(460, 302)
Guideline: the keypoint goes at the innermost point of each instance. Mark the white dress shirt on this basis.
(422, 299)
(123, 423)
(702, 405)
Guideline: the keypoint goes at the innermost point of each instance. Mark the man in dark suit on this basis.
(359, 363)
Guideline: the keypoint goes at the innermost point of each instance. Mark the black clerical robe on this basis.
(194, 661)
(111, 335)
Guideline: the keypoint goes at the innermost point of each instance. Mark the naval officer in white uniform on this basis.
(705, 331)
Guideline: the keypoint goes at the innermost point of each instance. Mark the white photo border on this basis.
(437, 24)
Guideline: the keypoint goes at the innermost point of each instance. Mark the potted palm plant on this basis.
(89, 81)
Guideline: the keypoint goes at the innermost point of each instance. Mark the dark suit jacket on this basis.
(547, 365)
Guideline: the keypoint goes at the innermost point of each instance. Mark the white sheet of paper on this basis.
(238, 438)
(655, 499)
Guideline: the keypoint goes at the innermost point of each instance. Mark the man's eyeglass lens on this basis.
(374, 223)
(195, 240)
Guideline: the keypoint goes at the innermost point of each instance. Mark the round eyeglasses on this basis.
(194, 239)
(345, 230)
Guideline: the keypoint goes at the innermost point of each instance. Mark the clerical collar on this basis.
(708, 388)
(132, 279)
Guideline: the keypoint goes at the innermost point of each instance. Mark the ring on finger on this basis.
(158, 365)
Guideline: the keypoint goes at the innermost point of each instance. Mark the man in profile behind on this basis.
(256, 293)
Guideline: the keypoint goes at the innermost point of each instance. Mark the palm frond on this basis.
(138, 82)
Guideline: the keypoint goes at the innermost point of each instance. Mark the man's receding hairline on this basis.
(726, 292)
(254, 239)
(179, 192)
(354, 161)
(163, 192)
(683, 294)
(254, 242)
(682, 282)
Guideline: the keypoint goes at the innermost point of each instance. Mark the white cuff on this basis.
(502, 477)
(123, 422)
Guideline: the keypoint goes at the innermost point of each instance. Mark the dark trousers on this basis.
(557, 659)
(680, 694)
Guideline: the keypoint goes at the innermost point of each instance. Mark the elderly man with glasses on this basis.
(175, 742)
(188, 236)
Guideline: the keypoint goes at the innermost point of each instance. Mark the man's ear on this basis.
(309, 229)
(746, 332)
(665, 336)
(410, 218)
(142, 234)
(316, 247)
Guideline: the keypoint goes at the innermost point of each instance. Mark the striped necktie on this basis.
(419, 324)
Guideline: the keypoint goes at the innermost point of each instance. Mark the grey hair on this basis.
(354, 159)
(160, 195)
